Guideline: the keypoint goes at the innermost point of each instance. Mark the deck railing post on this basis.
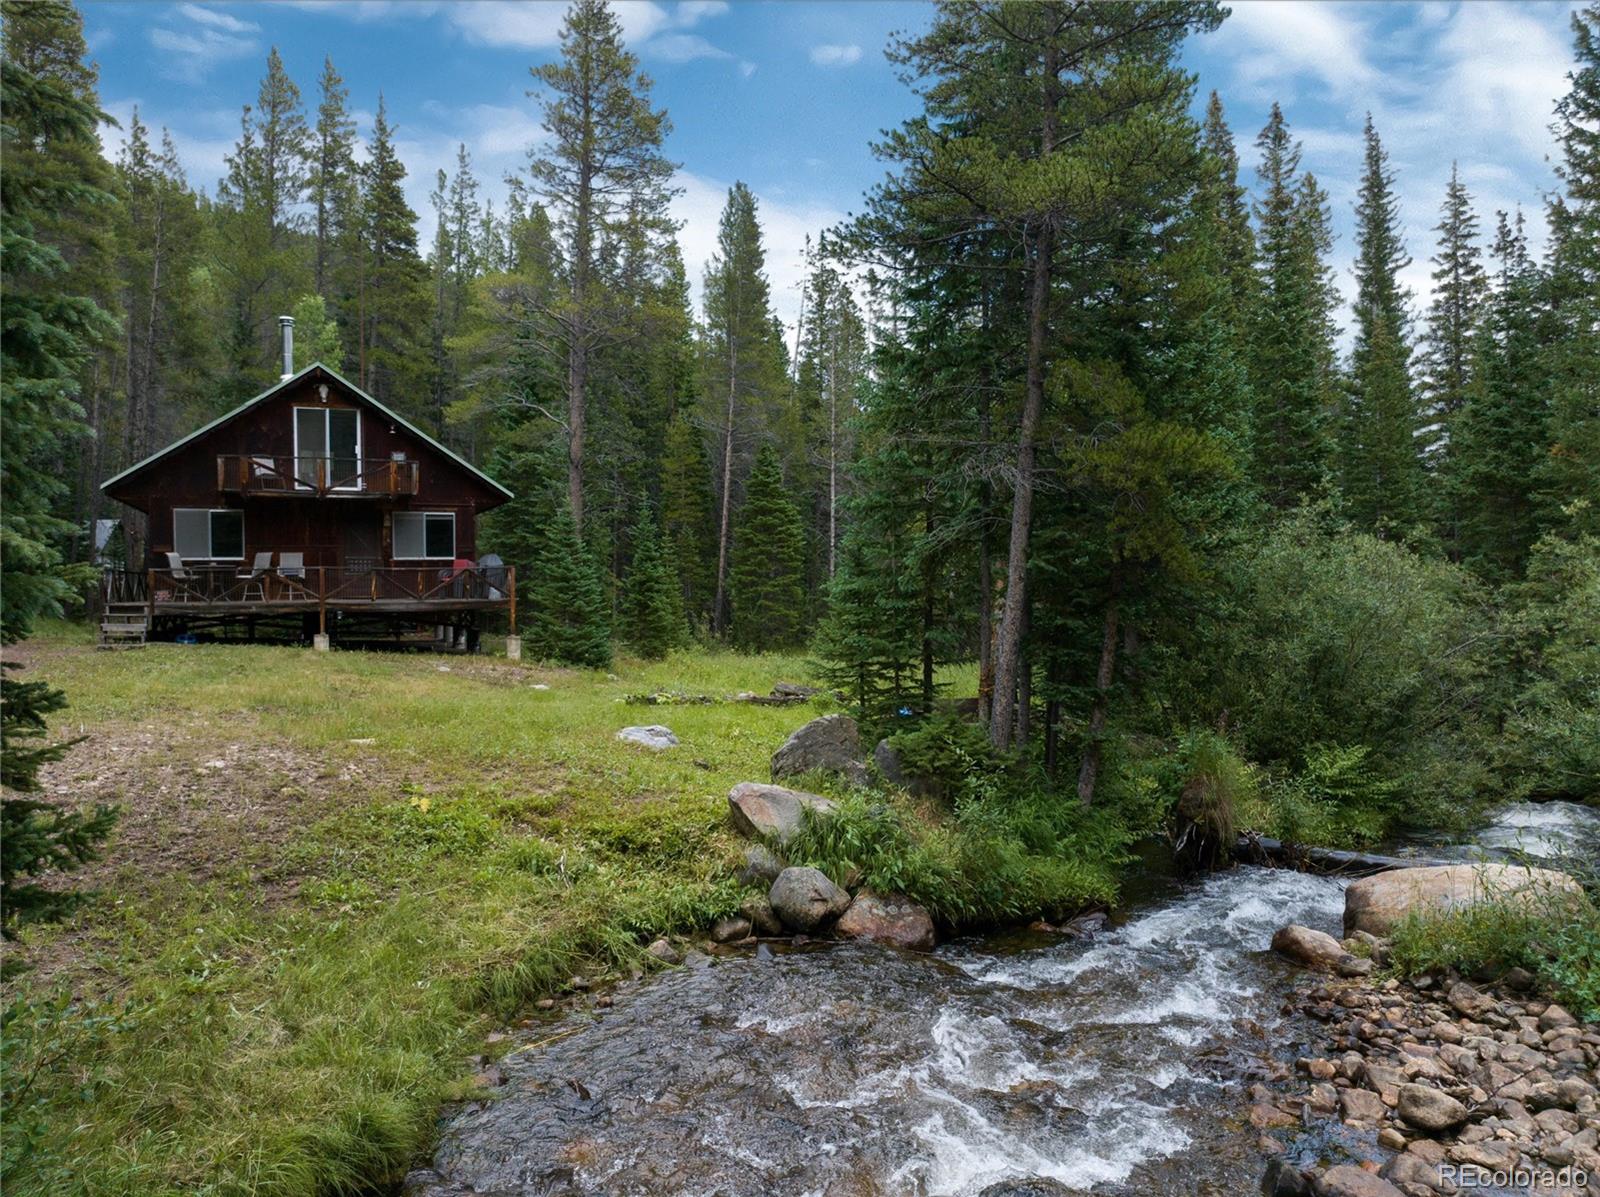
(321, 642)
(150, 598)
(511, 588)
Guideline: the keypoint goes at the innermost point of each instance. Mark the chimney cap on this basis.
(285, 321)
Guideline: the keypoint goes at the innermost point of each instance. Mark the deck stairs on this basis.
(124, 625)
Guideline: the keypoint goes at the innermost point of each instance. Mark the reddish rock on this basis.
(891, 919)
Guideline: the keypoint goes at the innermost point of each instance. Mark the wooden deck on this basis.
(138, 605)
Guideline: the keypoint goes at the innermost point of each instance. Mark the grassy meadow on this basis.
(334, 876)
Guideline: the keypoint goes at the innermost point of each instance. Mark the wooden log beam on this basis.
(1263, 850)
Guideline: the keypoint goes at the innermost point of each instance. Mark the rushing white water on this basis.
(861, 1070)
(1542, 832)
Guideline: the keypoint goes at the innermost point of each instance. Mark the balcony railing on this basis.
(404, 587)
(266, 474)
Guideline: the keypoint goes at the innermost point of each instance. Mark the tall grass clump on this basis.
(1553, 935)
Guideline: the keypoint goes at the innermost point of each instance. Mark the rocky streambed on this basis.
(1159, 1057)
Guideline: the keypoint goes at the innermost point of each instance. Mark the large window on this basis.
(208, 534)
(328, 439)
(424, 534)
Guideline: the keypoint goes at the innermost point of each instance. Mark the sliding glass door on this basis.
(327, 447)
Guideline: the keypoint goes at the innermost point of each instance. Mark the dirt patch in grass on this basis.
(202, 802)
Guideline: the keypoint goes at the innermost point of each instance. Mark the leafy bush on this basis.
(1329, 637)
(947, 749)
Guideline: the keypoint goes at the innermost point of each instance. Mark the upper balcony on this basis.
(316, 477)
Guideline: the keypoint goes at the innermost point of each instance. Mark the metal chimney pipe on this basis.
(286, 327)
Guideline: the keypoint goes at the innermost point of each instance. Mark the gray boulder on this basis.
(1430, 1110)
(775, 813)
(804, 899)
(652, 736)
(759, 911)
(761, 867)
(831, 744)
(1347, 1180)
(891, 918)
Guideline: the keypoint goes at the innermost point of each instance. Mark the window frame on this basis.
(211, 538)
(424, 517)
(327, 443)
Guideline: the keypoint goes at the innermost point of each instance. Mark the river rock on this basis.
(1375, 904)
(1033, 1186)
(1318, 949)
(1349, 1181)
(774, 813)
(759, 911)
(891, 918)
(652, 736)
(804, 899)
(831, 744)
(664, 952)
(1429, 1109)
(730, 930)
(760, 866)
(1283, 1179)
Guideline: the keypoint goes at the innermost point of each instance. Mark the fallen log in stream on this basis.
(1259, 849)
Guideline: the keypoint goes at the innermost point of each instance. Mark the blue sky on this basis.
(788, 95)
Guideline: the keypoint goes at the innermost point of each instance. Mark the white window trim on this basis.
(211, 511)
(327, 440)
(423, 516)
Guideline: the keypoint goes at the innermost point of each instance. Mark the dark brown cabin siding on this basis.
(319, 527)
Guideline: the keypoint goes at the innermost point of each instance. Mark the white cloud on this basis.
(1504, 69)
(785, 225)
(835, 56)
(216, 20)
(682, 47)
(1274, 41)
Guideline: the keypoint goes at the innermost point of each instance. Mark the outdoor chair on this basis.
(255, 578)
(292, 570)
(183, 578)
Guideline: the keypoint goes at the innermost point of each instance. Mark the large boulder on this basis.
(650, 736)
(831, 744)
(766, 812)
(1318, 949)
(804, 899)
(1376, 904)
(890, 918)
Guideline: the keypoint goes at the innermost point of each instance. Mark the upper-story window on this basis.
(327, 447)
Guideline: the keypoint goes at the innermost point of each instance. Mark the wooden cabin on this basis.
(314, 510)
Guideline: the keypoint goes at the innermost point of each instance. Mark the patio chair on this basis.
(183, 578)
(255, 578)
(292, 570)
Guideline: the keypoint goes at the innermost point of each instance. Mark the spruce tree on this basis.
(1570, 475)
(570, 622)
(1501, 437)
(316, 336)
(1291, 349)
(331, 180)
(652, 616)
(1380, 470)
(392, 298)
(766, 582)
(688, 516)
(53, 171)
(744, 359)
(1224, 199)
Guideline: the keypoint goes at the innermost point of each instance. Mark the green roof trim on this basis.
(274, 389)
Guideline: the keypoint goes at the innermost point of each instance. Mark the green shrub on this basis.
(1558, 940)
(947, 749)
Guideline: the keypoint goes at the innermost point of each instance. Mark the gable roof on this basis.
(290, 381)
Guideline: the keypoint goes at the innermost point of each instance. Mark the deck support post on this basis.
(150, 599)
(511, 591)
(320, 641)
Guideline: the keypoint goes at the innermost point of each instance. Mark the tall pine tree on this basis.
(1380, 470)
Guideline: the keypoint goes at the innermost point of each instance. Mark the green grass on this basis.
(290, 1024)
